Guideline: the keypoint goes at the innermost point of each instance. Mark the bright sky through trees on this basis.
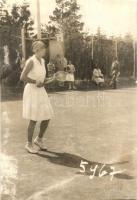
(115, 17)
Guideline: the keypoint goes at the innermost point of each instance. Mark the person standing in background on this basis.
(58, 63)
(115, 72)
(70, 75)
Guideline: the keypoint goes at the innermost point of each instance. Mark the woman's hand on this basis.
(39, 84)
(49, 80)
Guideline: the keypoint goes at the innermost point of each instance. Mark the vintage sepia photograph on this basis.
(68, 91)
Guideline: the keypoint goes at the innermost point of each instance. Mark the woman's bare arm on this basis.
(24, 75)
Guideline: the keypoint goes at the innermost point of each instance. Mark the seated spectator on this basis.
(97, 76)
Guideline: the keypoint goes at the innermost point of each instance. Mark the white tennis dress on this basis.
(70, 75)
(36, 104)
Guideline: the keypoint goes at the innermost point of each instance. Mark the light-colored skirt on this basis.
(98, 80)
(36, 103)
(70, 77)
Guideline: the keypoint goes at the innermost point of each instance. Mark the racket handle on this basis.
(49, 81)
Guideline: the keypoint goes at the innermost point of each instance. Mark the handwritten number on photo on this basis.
(101, 173)
(94, 171)
(82, 165)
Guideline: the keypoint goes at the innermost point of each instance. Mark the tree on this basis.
(10, 31)
(11, 24)
(78, 47)
(126, 55)
(66, 20)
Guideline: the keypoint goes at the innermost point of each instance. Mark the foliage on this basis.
(66, 20)
(78, 44)
(11, 24)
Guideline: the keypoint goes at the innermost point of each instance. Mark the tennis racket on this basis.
(60, 76)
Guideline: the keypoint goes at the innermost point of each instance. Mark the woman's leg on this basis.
(43, 127)
(115, 84)
(38, 140)
(29, 146)
(31, 128)
(73, 85)
(69, 85)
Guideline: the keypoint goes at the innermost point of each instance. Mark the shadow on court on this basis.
(73, 161)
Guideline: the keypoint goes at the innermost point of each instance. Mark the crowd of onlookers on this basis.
(60, 63)
(96, 76)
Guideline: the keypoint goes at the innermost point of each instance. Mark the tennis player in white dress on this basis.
(36, 104)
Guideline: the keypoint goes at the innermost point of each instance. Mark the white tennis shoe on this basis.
(29, 147)
(39, 142)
